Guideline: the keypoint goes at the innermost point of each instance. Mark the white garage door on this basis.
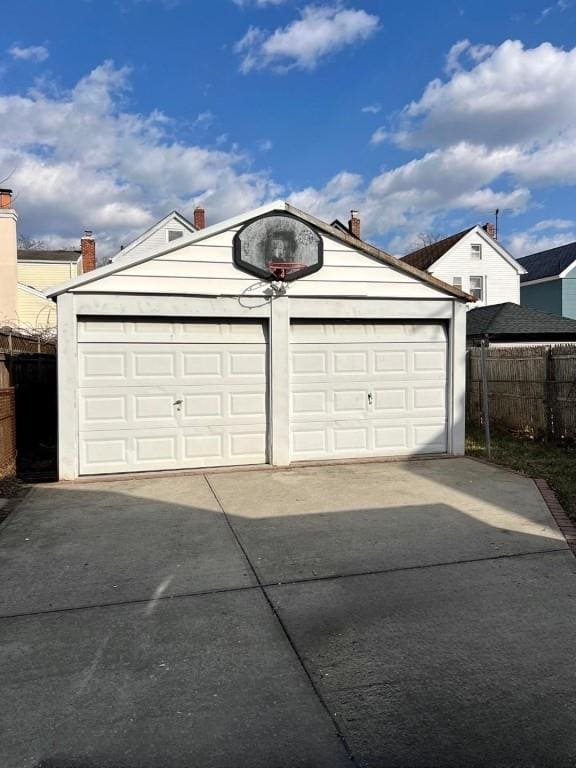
(170, 395)
(367, 389)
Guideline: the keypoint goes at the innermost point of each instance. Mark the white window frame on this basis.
(474, 291)
(457, 282)
(476, 251)
(178, 232)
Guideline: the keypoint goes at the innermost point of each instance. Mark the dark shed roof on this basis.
(548, 263)
(512, 322)
(425, 257)
(35, 254)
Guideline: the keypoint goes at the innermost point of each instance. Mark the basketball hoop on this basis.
(281, 269)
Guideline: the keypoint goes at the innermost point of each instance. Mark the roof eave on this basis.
(279, 205)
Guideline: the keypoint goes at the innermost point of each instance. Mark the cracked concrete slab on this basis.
(71, 545)
(199, 681)
(342, 519)
(458, 665)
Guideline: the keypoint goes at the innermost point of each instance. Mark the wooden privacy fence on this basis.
(530, 389)
(7, 433)
(27, 402)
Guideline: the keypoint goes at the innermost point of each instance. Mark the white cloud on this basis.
(541, 236)
(29, 53)
(379, 136)
(524, 243)
(319, 32)
(81, 160)
(547, 224)
(203, 120)
(257, 3)
(475, 53)
(265, 145)
(561, 6)
(372, 109)
(513, 95)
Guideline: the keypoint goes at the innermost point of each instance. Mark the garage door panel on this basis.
(158, 366)
(361, 390)
(391, 438)
(349, 361)
(170, 332)
(153, 406)
(101, 367)
(178, 448)
(389, 362)
(308, 363)
(200, 365)
(391, 400)
(379, 438)
(146, 364)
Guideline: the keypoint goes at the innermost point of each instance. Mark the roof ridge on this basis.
(443, 240)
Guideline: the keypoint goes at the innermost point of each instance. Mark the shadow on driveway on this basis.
(418, 614)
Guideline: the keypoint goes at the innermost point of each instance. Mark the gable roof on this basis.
(322, 226)
(33, 291)
(337, 224)
(510, 322)
(551, 263)
(175, 216)
(34, 254)
(425, 257)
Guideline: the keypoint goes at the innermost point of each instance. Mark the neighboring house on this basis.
(26, 273)
(513, 325)
(161, 235)
(550, 280)
(37, 270)
(269, 338)
(474, 261)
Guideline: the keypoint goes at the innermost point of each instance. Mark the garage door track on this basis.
(384, 615)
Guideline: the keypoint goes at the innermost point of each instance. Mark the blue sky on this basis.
(425, 116)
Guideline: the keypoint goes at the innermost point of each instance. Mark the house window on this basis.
(476, 251)
(174, 234)
(457, 282)
(477, 287)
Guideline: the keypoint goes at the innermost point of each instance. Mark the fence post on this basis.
(550, 390)
(485, 398)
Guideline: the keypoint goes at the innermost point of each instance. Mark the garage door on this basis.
(367, 389)
(170, 395)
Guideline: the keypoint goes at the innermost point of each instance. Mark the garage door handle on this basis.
(369, 398)
(178, 402)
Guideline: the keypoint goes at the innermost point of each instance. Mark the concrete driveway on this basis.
(384, 615)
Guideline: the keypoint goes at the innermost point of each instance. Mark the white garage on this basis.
(271, 338)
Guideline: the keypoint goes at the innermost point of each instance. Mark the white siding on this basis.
(367, 389)
(155, 242)
(171, 395)
(206, 268)
(501, 280)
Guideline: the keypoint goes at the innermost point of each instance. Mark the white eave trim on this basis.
(195, 237)
(52, 262)
(237, 221)
(540, 280)
(498, 248)
(33, 291)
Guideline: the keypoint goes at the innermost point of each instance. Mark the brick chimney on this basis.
(199, 217)
(8, 259)
(88, 250)
(354, 224)
(489, 229)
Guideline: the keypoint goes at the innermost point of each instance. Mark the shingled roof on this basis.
(512, 322)
(423, 258)
(35, 254)
(550, 263)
